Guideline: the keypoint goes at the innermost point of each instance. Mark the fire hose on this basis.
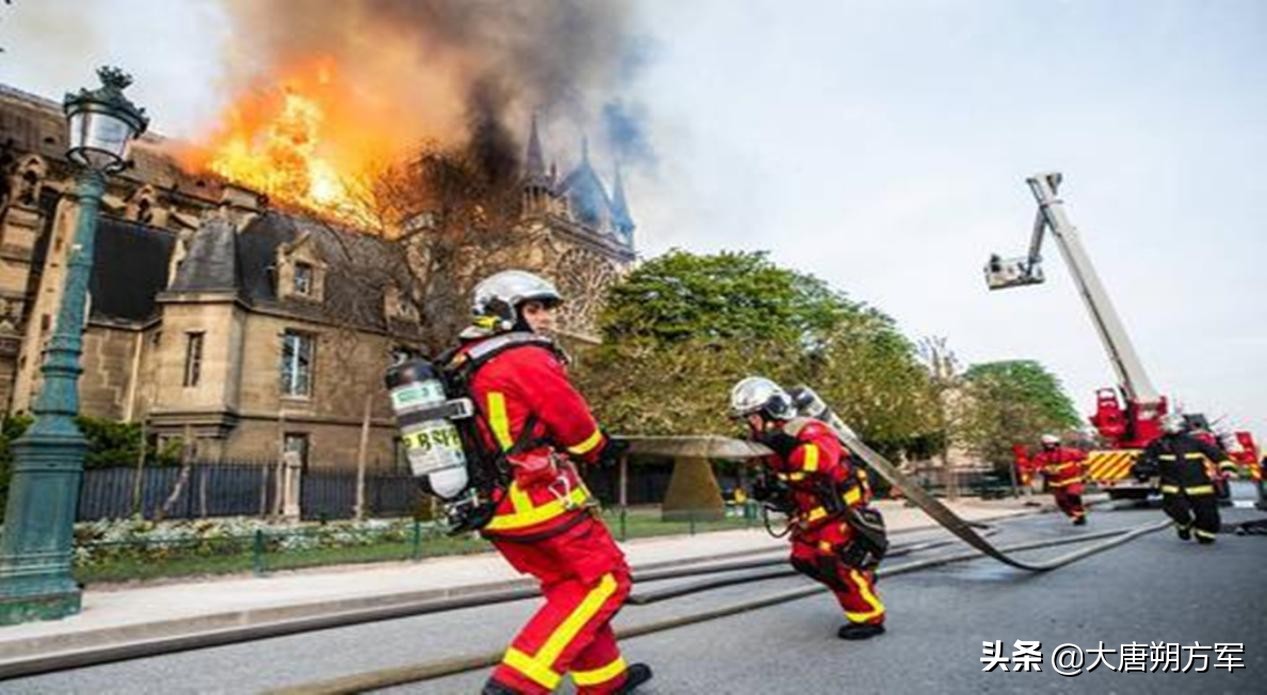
(389, 677)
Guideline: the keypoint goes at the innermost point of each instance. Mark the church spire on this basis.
(534, 163)
(620, 207)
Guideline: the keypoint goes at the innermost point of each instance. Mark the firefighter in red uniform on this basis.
(543, 522)
(1062, 468)
(821, 492)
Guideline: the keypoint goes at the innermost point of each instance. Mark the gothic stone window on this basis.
(298, 350)
(583, 277)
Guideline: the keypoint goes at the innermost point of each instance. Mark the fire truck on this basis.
(1126, 418)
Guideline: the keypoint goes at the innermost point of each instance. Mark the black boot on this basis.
(854, 631)
(493, 687)
(1184, 533)
(1080, 521)
(635, 675)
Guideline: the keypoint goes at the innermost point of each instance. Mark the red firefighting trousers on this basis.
(816, 554)
(585, 580)
(1069, 499)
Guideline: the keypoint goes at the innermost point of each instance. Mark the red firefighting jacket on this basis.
(817, 463)
(529, 383)
(1062, 467)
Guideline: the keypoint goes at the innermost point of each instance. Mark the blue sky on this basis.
(883, 146)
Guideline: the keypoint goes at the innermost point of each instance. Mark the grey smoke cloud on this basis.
(477, 68)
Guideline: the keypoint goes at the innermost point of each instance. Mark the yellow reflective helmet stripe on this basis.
(600, 675)
(588, 445)
(539, 514)
(531, 668)
(498, 421)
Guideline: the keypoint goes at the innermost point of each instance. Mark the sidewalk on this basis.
(121, 614)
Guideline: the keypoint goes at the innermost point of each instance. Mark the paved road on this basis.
(1155, 589)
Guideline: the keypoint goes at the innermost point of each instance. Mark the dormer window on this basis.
(301, 273)
(303, 279)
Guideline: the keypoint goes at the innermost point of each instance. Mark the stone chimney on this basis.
(240, 205)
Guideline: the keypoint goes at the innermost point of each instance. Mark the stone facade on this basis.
(214, 317)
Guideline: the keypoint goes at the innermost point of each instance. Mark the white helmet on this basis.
(498, 297)
(1173, 423)
(757, 394)
(1049, 440)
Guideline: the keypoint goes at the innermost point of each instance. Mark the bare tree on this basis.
(187, 452)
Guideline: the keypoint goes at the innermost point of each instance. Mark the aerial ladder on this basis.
(1129, 421)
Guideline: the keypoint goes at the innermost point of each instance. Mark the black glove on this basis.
(612, 451)
(760, 491)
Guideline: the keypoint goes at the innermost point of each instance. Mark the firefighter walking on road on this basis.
(836, 539)
(1061, 466)
(1186, 466)
(530, 415)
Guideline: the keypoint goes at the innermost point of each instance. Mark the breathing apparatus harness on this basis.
(870, 537)
(442, 438)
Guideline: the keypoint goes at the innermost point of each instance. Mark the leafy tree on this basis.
(683, 328)
(1011, 402)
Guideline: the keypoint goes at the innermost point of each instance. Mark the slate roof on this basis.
(129, 268)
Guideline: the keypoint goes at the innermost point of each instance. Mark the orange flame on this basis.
(307, 140)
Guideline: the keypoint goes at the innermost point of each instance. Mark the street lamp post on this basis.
(37, 546)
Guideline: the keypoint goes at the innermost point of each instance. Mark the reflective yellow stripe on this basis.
(853, 495)
(1203, 534)
(864, 590)
(536, 515)
(576, 620)
(600, 675)
(519, 499)
(824, 547)
(497, 419)
(1193, 457)
(526, 665)
(1200, 490)
(815, 514)
(1167, 457)
(794, 477)
(1169, 489)
(587, 445)
(811, 458)
(1064, 483)
(1229, 466)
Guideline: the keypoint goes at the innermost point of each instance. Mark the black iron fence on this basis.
(237, 488)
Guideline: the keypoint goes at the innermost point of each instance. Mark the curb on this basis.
(24, 649)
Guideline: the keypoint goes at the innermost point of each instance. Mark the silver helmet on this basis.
(498, 297)
(1173, 423)
(1049, 440)
(757, 394)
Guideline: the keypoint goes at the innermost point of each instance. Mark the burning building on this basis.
(249, 309)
